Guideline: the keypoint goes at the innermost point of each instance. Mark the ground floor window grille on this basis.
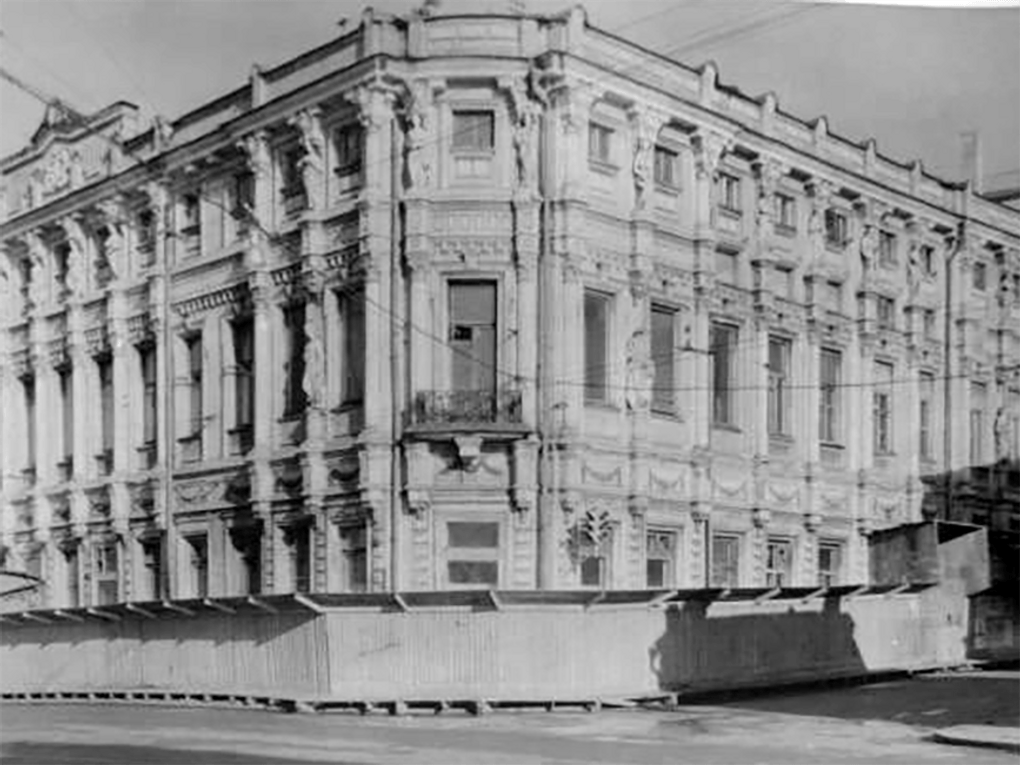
(198, 564)
(298, 540)
(830, 562)
(354, 549)
(106, 573)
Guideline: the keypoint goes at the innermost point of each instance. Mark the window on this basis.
(243, 198)
(929, 323)
(978, 406)
(290, 172)
(106, 403)
(778, 563)
(928, 259)
(660, 549)
(834, 296)
(926, 401)
(666, 162)
(67, 421)
(730, 193)
(727, 266)
(786, 214)
(473, 336)
(294, 398)
(886, 312)
(243, 335)
(247, 540)
(194, 357)
(298, 539)
(1014, 428)
(882, 408)
(72, 571)
(198, 564)
(352, 317)
(835, 228)
(779, 386)
(354, 549)
(472, 553)
(62, 261)
(723, 349)
(980, 276)
(347, 141)
(147, 233)
(595, 564)
(886, 249)
(830, 563)
(474, 131)
(725, 560)
(106, 573)
(28, 389)
(147, 361)
(600, 140)
(784, 282)
(830, 376)
(192, 214)
(663, 359)
(596, 341)
(151, 586)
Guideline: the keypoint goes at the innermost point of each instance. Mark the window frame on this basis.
(731, 193)
(600, 143)
(885, 313)
(670, 560)
(887, 249)
(486, 554)
(735, 562)
(666, 157)
(724, 399)
(596, 391)
(830, 420)
(786, 224)
(295, 399)
(884, 443)
(664, 398)
(837, 227)
(829, 576)
(486, 147)
(774, 576)
(779, 399)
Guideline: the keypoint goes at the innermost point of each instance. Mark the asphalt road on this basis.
(888, 723)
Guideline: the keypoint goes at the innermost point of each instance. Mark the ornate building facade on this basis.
(488, 301)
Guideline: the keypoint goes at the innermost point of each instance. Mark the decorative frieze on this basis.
(233, 295)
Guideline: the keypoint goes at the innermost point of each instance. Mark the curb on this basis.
(984, 736)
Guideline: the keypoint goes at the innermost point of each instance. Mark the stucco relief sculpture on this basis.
(314, 382)
(640, 372)
(419, 130)
(868, 246)
(646, 129)
(528, 101)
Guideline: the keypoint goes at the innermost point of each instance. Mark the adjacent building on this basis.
(508, 302)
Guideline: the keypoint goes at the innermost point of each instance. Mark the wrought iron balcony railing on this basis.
(467, 409)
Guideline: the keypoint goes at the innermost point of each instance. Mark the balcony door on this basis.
(473, 339)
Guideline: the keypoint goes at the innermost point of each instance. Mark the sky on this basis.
(912, 78)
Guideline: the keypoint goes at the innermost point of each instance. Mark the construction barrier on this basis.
(471, 645)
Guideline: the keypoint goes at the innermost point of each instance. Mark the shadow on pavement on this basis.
(36, 753)
(932, 701)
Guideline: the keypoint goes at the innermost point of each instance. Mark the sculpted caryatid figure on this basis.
(419, 133)
(868, 247)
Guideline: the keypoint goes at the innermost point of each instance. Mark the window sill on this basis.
(348, 406)
(603, 405)
(667, 414)
(781, 438)
(727, 427)
(835, 246)
(668, 189)
(829, 445)
(602, 166)
(783, 229)
(730, 212)
(288, 418)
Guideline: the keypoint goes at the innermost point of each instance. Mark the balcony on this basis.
(65, 469)
(147, 455)
(242, 438)
(495, 412)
